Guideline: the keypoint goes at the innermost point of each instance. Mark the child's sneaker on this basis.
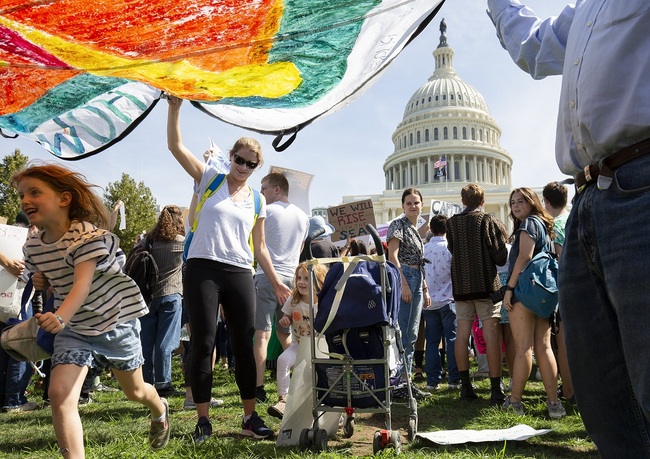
(255, 427)
(159, 430)
(277, 410)
(203, 430)
(555, 410)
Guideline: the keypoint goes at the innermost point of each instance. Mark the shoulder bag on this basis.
(23, 339)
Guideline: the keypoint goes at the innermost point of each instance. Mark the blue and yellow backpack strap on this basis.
(257, 202)
(216, 183)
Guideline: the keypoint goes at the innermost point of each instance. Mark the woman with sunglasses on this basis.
(218, 270)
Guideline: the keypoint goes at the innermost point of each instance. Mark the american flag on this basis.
(440, 163)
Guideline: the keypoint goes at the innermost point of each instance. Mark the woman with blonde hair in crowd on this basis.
(532, 233)
(218, 270)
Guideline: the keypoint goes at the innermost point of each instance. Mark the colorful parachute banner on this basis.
(78, 75)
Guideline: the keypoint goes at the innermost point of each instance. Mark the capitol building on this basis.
(445, 140)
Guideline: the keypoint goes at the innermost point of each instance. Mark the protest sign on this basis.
(299, 184)
(12, 239)
(445, 208)
(350, 220)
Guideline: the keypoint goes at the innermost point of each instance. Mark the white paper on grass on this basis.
(456, 437)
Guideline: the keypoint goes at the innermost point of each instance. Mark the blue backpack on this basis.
(362, 303)
(537, 285)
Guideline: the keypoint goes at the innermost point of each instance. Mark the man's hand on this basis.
(282, 293)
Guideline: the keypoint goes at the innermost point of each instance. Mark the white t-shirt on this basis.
(285, 228)
(224, 225)
(299, 313)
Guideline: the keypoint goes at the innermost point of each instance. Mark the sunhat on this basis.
(316, 223)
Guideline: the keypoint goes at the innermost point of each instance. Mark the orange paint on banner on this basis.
(216, 34)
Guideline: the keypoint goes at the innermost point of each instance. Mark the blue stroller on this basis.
(357, 315)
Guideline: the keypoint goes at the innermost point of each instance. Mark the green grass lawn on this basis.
(117, 428)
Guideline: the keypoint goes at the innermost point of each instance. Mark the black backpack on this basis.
(142, 268)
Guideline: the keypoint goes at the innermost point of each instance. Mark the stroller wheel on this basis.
(348, 428)
(304, 439)
(321, 440)
(412, 429)
(396, 441)
(376, 442)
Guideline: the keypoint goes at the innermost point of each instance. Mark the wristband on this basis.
(509, 289)
(60, 319)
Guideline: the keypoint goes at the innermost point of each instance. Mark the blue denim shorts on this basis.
(119, 348)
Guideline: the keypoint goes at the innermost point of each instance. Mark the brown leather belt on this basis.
(607, 166)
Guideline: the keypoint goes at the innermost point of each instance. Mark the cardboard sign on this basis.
(350, 220)
(12, 239)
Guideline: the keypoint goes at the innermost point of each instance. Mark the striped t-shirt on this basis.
(113, 298)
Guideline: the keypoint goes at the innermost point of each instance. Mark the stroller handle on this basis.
(375, 237)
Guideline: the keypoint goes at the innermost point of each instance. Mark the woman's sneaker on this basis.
(517, 407)
(555, 410)
(255, 427)
(203, 430)
(189, 404)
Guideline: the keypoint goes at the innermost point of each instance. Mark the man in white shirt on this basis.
(285, 230)
(440, 316)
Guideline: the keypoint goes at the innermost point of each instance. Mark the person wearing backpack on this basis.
(227, 232)
(533, 231)
(161, 326)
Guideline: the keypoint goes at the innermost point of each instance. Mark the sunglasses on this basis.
(241, 161)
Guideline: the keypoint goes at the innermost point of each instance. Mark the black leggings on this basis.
(208, 283)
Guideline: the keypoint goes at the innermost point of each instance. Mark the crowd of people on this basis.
(447, 283)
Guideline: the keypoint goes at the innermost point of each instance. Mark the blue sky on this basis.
(345, 150)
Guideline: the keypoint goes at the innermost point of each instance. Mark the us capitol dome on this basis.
(446, 139)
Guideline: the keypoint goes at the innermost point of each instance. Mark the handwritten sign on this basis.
(350, 220)
(12, 239)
